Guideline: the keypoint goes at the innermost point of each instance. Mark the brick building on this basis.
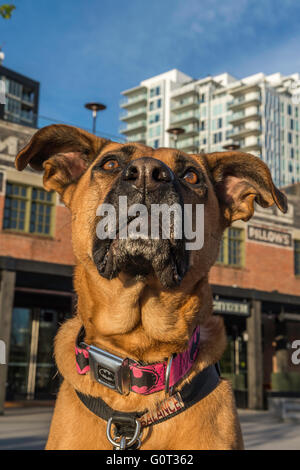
(256, 287)
(36, 262)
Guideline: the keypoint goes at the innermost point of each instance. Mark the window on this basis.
(219, 123)
(232, 247)
(158, 103)
(291, 124)
(13, 106)
(28, 209)
(297, 257)
(154, 118)
(15, 88)
(217, 137)
(289, 110)
(151, 105)
(155, 91)
(156, 143)
(290, 138)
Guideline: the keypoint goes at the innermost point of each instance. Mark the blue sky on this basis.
(91, 50)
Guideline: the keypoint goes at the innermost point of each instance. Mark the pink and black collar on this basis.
(125, 375)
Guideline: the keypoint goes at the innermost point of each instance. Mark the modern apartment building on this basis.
(21, 100)
(259, 113)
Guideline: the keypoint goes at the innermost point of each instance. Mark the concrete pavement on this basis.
(24, 428)
(27, 428)
(263, 432)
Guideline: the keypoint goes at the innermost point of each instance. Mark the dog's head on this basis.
(88, 172)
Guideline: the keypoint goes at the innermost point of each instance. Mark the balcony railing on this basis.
(125, 115)
(185, 103)
(132, 127)
(184, 117)
(126, 101)
(243, 116)
(137, 138)
(244, 131)
(187, 143)
(243, 101)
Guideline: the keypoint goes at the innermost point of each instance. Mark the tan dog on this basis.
(143, 300)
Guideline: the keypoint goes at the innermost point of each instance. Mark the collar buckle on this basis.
(110, 370)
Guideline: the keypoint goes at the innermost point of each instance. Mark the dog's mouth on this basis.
(164, 257)
(139, 258)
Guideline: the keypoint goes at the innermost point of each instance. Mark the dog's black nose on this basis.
(147, 173)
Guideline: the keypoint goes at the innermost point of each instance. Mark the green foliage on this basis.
(6, 11)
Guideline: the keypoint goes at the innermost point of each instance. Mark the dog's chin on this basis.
(141, 258)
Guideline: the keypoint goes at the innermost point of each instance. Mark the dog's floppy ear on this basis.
(239, 180)
(63, 152)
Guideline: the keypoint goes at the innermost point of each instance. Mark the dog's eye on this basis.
(191, 177)
(110, 165)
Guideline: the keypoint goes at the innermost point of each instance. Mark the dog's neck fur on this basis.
(137, 319)
(142, 322)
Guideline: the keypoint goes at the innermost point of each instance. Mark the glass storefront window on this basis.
(19, 357)
(32, 371)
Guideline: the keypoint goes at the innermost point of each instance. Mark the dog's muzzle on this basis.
(149, 182)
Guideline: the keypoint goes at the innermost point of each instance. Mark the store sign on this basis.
(12, 141)
(267, 235)
(231, 307)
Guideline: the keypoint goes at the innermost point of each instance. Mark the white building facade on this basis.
(259, 113)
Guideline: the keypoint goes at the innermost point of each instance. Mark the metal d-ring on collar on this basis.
(168, 389)
(125, 442)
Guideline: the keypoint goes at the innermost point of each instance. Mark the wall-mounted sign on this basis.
(231, 307)
(13, 140)
(267, 235)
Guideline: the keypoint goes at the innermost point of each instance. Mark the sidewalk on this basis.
(24, 428)
(27, 428)
(263, 432)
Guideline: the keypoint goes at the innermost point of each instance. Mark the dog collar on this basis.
(126, 375)
(128, 427)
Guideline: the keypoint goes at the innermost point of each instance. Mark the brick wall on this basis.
(267, 268)
(40, 248)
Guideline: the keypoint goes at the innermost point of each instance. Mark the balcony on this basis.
(185, 104)
(185, 91)
(241, 117)
(184, 118)
(138, 138)
(188, 145)
(243, 101)
(243, 131)
(127, 102)
(190, 130)
(135, 113)
(255, 146)
(133, 128)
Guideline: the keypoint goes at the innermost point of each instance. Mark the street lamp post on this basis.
(175, 132)
(95, 107)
